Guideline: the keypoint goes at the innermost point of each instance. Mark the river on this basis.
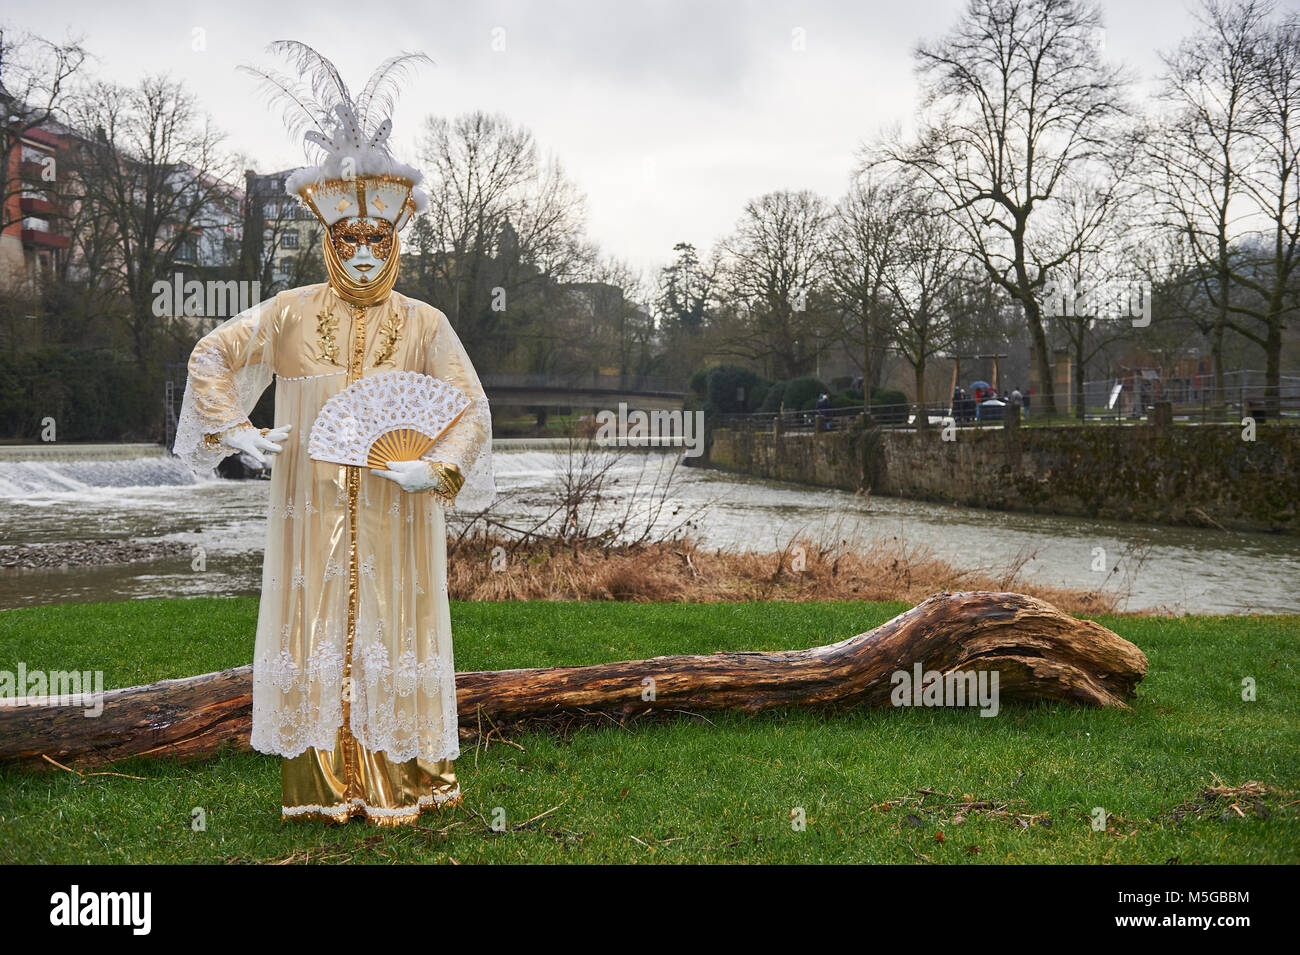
(154, 498)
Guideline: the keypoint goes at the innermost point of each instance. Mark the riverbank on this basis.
(1190, 774)
(96, 553)
(1189, 475)
(1194, 570)
(490, 568)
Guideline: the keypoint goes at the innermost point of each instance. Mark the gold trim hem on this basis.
(372, 814)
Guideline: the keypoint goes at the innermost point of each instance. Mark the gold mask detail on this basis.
(347, 234)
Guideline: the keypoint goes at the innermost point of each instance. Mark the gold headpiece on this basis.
(358, 175)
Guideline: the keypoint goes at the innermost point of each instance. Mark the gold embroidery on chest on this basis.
(389, 333)
(326, 325)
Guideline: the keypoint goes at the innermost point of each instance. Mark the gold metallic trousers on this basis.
(350, 780)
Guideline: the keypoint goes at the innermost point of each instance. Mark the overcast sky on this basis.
(668, 115)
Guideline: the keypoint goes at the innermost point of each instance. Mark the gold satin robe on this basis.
(353, 677)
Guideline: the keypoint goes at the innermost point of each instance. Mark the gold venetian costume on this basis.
(353, 678)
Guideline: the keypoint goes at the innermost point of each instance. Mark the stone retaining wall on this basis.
(1178, 474)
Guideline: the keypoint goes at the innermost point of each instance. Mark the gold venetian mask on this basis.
(376, 234)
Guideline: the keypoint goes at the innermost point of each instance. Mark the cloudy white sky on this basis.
(668, 115)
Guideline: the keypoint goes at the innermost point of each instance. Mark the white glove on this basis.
(412, 476)
(252, 442)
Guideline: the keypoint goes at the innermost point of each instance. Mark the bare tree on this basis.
(924, 279)
(269, 216)
(1202, 150)
(151, 176)
(1017, 103)
(504, 230)
(621, 329)
(1163, 260)
(34, 77)
(861, 249)
(774, 264)
(1099, 277)
(1274, 189)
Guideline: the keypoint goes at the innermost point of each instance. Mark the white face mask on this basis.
(361, 259)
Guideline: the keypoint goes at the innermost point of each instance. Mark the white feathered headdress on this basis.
(358, 175)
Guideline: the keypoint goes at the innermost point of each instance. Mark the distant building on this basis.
(43, 200)
(286, 250)
(34, 240)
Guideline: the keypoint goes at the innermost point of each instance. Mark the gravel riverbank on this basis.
(87, 553)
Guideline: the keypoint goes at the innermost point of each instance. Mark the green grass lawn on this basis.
(717, 789)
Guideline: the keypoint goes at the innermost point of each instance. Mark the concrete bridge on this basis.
(585, 391)
(640, 392)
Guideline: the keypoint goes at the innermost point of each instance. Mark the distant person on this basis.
(963, 408)
(824, 410)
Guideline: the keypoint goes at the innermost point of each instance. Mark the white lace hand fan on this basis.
(394, 416)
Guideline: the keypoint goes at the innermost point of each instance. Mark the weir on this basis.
(19, 478)
(69, 451)
(40, 468)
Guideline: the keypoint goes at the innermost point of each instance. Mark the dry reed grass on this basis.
(491, 568)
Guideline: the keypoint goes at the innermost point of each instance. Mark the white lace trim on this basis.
(409, 675)
(248, 384)
(328, 374)
(470, 449)
(406, 709)
(309, 710)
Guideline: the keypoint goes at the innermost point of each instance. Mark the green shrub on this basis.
(889, 406)
(775, 396)
(90, 394)
(801, 394)
(731, 388)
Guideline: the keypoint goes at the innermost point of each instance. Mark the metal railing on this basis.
(830, 419)
(632, 384)
(1227, 407)
(1190, 390)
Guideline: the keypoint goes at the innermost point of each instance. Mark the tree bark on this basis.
(922, 416)
(1042, 353)
(1080, 396)
(1038, 652)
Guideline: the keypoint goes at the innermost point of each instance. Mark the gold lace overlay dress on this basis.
(353, 676)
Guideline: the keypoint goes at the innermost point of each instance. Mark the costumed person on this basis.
(353, 679)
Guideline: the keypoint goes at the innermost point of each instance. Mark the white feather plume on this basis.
(379, 96)
(321, 110)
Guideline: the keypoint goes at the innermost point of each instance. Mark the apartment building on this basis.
(35, 239)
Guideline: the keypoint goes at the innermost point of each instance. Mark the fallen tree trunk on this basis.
(1038, 652)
